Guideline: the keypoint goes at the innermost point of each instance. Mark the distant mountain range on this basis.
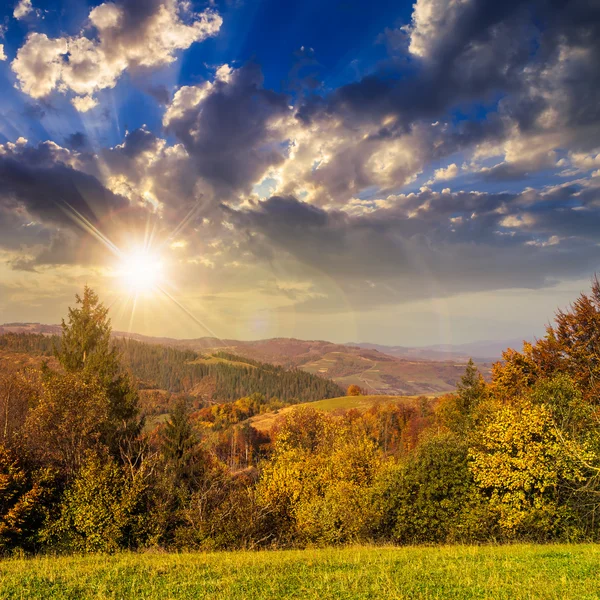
(482, 351)
(292, 351)
(377, 368)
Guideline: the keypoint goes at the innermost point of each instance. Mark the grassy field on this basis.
(265, 421)
(561, 572)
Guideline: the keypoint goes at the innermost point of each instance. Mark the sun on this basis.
(141, 272)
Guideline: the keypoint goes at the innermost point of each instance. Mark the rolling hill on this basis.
(366, 365)
(217, 376)
(265, 421)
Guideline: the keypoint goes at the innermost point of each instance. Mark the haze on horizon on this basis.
(351, 171)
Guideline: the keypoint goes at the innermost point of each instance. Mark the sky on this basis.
(368, 171)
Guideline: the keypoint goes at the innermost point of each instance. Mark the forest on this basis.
(179, 371)
(513, 459)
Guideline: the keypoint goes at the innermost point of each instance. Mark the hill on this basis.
(265, 421)
(218, 376)
(375, 371)
(481, 351)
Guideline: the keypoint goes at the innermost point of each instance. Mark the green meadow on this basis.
(560, 572)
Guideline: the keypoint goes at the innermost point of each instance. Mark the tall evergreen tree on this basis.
(86, 348)
(470, 388)
(179, 444)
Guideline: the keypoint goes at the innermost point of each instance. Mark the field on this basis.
(561, 572)
(265, 421)
(377, 373)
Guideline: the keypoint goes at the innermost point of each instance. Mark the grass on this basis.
(265, 421)
(561, 572)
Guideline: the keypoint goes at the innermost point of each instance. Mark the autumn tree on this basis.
(26, 494)
(522, 465)
(68, 420)
(17, 393)
(102, 510)
(354, 390)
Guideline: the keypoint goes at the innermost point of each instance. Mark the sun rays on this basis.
(142, 271)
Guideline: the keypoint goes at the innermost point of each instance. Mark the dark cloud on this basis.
(532, 64)
(160, 93)
(229, 133)
(77, 141)
(47, 188)
(458, 241)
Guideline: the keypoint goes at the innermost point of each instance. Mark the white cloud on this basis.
(22, 9)
(450, 172)
(123, 41)
(432, 21)
(84, 103)
(39, 64)
(2, 55)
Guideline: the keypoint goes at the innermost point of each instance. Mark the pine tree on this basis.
(179, 443)
(86, 348)
(470, 389)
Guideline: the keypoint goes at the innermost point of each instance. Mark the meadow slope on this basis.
(265, 421)
(555, 572)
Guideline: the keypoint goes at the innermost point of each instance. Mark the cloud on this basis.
(529, 65)
(432, 243)
(444, 174)
(233, 129)
(2, 55)
(22, 9)
(128, 35)
(84, 103)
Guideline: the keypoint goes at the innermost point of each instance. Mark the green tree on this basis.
(86, 349)
(471, 388)
(179, 444)
(427, 499)
(102, 510)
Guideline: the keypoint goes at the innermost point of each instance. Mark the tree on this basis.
(470, 389)
(179, 444)
(68, 420)
(459, 411)
(521, 464)
(101, 511)
(17, 392)
(426, 498)
(86, 349)
(25, 496)
(354, 390)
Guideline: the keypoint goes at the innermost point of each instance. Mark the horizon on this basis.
(347, 343)
(412, 174)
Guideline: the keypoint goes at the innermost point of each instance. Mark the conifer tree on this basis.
(470, 388)
(86, 348)
(179, 443)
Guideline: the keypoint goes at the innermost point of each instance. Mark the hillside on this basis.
(370, 368)
(265, 421)
(218, 376)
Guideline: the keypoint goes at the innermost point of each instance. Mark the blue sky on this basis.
(395, 172)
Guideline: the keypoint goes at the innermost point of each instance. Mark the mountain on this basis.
(480, 351)
(218, 376)
(395, 371)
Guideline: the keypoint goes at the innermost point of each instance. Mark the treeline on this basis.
(517, 458)
(29, 343)
(180, 371)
